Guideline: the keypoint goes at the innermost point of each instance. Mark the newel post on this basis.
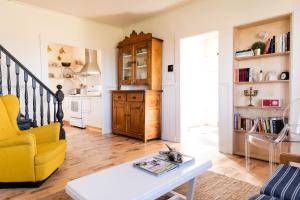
(60, 114)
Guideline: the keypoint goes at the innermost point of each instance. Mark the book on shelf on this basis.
(243, 75)
(265, 124)
(278, 43)
(244, 53)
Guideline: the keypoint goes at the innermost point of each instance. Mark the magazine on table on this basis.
(161, 164)
(155, 166)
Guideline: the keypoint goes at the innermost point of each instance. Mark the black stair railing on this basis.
(57, 98)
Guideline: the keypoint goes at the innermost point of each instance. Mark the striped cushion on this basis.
(262, 197)
(284, 183)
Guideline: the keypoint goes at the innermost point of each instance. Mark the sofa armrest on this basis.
(286, 158)
(17, 156)
(19, 140)
(43, 134)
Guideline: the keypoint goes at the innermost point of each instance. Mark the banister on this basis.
(58, 96)
(7, 53)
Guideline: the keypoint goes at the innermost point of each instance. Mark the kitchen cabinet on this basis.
(91, 110)
(137, 113)
(140, 60)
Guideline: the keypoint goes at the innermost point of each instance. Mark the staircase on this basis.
(38, 104)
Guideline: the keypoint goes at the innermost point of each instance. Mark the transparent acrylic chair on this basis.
(289, 134)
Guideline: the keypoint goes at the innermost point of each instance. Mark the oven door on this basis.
(75, 107)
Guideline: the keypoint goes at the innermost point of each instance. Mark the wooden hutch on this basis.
(137, 113)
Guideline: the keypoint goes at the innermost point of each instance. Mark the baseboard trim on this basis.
(92, 128)
(88, 127)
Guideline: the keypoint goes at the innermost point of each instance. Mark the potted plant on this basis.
(258, 47)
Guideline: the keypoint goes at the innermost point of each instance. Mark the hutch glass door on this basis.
(142, 61)
(127, 58)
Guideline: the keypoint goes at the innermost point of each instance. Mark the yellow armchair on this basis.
(27, 158)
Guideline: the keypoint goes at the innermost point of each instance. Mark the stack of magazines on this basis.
(160, 164)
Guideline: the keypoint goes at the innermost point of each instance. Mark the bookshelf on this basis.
(276, 63)
(262, 56)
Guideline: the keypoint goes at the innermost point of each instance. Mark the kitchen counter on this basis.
(84, 95)
(137, 91)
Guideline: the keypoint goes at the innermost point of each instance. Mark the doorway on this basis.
(199, 70)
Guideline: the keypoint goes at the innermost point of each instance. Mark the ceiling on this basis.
(119, 13)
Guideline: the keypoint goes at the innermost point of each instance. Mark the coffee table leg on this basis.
(191, 192)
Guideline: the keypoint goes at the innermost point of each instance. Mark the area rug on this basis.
(210, 186)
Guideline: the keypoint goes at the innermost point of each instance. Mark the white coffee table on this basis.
(125, 182)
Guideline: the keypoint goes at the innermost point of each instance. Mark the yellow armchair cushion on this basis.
(44, 134)
(48, 151)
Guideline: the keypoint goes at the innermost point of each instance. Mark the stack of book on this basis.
(243, 75)
(266, 125)
(278, 44)
(244, 53)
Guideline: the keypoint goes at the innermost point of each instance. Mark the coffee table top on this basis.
(129, 183)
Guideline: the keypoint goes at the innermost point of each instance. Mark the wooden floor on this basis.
(90, 151)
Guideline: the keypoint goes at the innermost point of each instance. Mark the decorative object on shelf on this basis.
(67, 71)
(60, 53)
(271, 103)
(50, 75)
(250, 93)
(172, 154)
(258, 48)
(284, 76)
(66, 64)
(263, 35)
(271, 76)
(49, 49)
(261, 76)
(53, 64)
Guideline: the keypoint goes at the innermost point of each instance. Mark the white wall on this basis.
(26, 32)
(201, 16)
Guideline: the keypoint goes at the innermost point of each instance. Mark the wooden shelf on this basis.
(142, 66)
(259, 107)
(59, 78)
(262, 56)
(261, 82)
(141, 54)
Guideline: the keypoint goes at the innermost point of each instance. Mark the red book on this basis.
(266, 50)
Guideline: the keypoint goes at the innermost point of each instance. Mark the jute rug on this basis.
(210, 186)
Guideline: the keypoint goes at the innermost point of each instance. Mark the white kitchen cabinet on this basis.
(91, 109)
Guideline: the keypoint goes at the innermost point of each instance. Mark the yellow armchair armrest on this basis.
(43, 134)
(18, 140)
(17, 159)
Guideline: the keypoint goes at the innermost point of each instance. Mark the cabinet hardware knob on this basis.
(119, 97)
(134, 97)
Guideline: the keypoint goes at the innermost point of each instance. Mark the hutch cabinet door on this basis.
(119, 115)
(126, 61)
(136, 117)
(142, 53)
